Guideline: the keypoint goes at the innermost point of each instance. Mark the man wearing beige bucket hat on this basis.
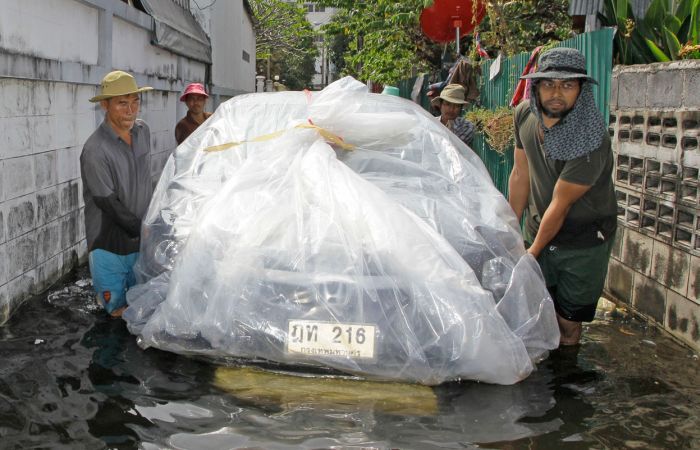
(450, 103)
(115, 167)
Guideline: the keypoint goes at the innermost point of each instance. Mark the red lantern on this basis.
(440, 21)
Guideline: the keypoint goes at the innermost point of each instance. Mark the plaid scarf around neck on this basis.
(578, 133)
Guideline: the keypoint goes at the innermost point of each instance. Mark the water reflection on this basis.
(72, 378)
(45, 394)
(110, 373)
(302, 412)
(292, 391)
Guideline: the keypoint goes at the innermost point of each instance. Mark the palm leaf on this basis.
(672, 44)
(644, 30)
(621, 8)
(654, 18)
(639, 51)
(694, 30)
(672, 23)
(656, 51)
(683, 31)
(685, 9)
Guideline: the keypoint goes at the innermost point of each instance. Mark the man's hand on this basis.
(533, 253)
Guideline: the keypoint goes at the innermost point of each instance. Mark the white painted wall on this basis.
(59, 29)
(231, 33)
(41, 221)
(159, 110)
(132, 51)
(247, 39)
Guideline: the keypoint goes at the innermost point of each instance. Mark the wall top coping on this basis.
(680, 111)
(685, 64)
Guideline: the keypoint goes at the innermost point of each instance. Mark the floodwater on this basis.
(72, 378)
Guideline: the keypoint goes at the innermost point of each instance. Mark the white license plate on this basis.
(331, 339)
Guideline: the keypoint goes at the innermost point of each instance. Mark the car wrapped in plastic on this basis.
(338, 229)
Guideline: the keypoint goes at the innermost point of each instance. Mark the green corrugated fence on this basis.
(597, 46)
(406, 87)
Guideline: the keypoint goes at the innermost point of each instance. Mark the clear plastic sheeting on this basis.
(395, 259)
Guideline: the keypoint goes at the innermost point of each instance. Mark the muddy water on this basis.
(72, 378)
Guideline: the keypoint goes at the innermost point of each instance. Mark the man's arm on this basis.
(116, 211)
(565, 195)
(519, 183)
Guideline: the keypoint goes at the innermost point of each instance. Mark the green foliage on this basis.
(512, 27)
(339, 44)
(296, 74)
(629, 47)
(284, 42)
(379, 40)
(662, 35)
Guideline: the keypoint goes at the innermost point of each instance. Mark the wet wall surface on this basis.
(72, 378)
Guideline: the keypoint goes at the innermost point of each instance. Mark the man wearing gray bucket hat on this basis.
(450, 103)
(562, 179)
(115, 167)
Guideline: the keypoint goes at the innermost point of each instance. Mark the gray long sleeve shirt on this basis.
(117, 187)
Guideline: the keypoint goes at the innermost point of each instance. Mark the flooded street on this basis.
(72, 378)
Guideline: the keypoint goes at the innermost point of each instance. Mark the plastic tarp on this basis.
(177, 30)
(270, 239)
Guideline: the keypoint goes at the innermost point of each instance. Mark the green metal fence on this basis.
(597, 46)
(406, 88)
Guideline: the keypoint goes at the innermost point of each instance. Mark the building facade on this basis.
(325, 70)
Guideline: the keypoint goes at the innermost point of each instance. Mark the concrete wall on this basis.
(53, 55)
(235, 58)
(655, 126)
(48, 19)
(233, 53)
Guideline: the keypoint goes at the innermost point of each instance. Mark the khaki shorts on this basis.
(575, 278)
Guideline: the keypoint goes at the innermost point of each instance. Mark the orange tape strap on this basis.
(327, 135)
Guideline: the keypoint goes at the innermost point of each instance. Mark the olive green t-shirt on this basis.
(595, 211)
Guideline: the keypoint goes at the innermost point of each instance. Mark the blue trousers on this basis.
(112, 276)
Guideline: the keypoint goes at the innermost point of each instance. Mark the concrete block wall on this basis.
(41, 222)
(655, 128)
(53, 56)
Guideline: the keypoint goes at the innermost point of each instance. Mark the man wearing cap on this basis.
(195, 98)
(115, 166)
(562, 176)
(450, 103)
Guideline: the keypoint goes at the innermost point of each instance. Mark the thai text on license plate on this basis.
(331, 339)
